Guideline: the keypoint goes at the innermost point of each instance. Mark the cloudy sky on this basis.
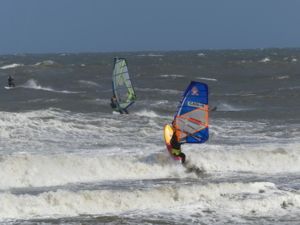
(41, 26)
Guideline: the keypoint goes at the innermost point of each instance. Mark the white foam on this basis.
(283, 77)
(265, 60)
(201, 54)
(56, 131)
(151, 55)
(28, 170)
(261, 198)
(172, 75)
(147, 113)
(290, 59)
(159, 103)
(89, 83)
(38, 170)
(267, 159)
(225, 107)
(207, 78)
(168, 91)
(245, 61)
(14, 65)
(289, 88)
(32, 84)
(45, 63)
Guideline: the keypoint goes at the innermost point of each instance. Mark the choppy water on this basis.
(66, 158)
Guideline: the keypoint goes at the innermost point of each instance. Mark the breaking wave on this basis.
(265, 60)
(222, 198)
(10, 66)
(32, 84)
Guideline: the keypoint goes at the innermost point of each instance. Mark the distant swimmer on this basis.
(176, 148)
(10, 81)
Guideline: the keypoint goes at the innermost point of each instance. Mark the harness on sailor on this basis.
(175, 151)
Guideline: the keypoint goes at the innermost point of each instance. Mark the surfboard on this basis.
(122, 86)
(168, 133)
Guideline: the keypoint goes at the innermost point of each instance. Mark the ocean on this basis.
(66, 158)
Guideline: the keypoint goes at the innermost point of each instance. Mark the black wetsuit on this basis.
(11, 82)
(175, 144)
(114, 105)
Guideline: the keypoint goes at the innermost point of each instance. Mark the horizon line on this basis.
(145, 51)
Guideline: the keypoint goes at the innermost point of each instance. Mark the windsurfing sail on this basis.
(122, 86)
(191, 119)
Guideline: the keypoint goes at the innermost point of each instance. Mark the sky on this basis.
(49, 26)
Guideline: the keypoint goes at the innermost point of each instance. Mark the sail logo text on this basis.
(195, 104)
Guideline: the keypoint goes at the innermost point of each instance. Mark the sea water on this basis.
(66, 158)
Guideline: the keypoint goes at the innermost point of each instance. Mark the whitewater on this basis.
(65, 157)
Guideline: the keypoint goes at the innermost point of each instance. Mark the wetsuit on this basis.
(176, 148)
(11, 82)
(114, 105)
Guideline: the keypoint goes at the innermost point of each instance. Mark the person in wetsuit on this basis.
(10, 81)
(114, 105)
(176, 148)
(113, 102)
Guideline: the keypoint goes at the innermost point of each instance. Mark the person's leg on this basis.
(182, 156)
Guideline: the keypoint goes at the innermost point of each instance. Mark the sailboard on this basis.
(122, 86)
(191, 119)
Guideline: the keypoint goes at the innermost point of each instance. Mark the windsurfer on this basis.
(113, 102)
(115, 106)
(176, 148)
(10, 81)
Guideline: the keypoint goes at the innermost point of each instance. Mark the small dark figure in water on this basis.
(176, 148)
(10, 81)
